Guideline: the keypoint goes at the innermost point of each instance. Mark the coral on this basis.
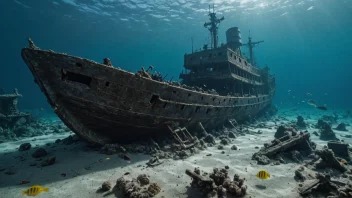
(132, 189)
(143, 179)
(219, 184)
(219, 176)
(153, 189)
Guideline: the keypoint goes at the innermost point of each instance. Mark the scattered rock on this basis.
(232, 135)
(224, 141)
(341, 127)
(48, 161)
(209, 139)
(220, 147)
(234, 147)
(326, 133)
(40, 152)
(106, 186)
(25, 147)
(10, 172)
(261, 159)
(300, 122)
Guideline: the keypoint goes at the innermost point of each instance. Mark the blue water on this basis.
(307, 42)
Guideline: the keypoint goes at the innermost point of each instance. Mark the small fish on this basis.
(42, 109)
(34, 190)
(326, 94)
(63, 174)
(124, 156)
(24, 182)
(312, 102)
(289, 90)
(343, 161)
(309, 94)
(263, 174)
(324, 108)
(107, 158)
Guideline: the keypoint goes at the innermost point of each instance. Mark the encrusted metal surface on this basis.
(102, 103)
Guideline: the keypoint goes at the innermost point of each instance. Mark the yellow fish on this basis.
(34, 190)
(107, 158)
(343, 161)
(263, 174)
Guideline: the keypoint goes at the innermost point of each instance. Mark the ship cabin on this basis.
(225, 70)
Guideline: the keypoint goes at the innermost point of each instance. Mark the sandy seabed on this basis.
(79, 171)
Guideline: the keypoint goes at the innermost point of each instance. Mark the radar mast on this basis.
(251, 44)
(213, 27)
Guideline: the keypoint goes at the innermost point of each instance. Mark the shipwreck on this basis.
(9, 113)
(104, 104)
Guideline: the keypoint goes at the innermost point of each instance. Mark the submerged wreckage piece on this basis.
(324, 186)
(104, 104)
(299, 141)
(9, 113)
(328, 159)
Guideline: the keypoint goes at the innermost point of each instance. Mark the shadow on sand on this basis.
(71, 161)
(260, 186)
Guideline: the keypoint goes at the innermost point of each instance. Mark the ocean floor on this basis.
(80, 170)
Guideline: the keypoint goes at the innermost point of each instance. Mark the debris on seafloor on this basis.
(217, 184)
(328, 159)
(300, 123)
(106, 186)
(340, 149)
(323, 186)
(48, 161)
(341, 127)
(292, 143)
(9, 114)
(24, 147)
(283, 131)
(326, 133)
(136, 188)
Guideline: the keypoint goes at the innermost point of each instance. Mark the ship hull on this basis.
(104, 104)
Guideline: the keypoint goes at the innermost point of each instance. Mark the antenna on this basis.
(251, 45)
(213, 26)
(192, 44)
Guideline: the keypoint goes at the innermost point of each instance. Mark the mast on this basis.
(251, 45)
(213, 27)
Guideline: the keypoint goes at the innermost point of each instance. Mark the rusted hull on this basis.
(104, 104)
